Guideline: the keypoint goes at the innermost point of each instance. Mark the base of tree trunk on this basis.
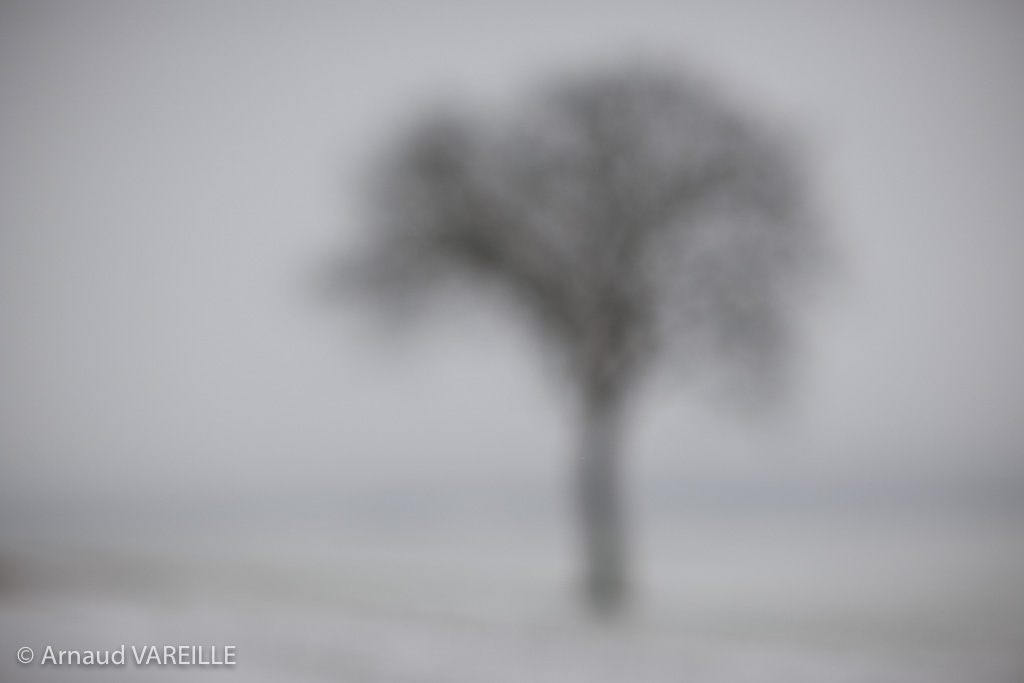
(606, 597)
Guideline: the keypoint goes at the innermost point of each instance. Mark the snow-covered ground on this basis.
(726, 601)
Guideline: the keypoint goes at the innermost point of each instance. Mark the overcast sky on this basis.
(170, 173)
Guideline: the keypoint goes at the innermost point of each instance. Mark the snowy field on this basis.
(734, 600)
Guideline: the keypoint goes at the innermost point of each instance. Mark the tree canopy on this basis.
(631, 215)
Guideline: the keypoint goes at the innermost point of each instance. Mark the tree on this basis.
(631, 216)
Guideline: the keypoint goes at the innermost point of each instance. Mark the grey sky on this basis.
(169, 172)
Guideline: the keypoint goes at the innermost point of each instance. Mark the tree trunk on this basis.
(601, 512)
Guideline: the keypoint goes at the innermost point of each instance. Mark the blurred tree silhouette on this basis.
(632, 216)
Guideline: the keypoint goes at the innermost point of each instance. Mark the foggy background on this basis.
(174, 402)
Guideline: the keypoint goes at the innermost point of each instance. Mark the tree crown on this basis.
(629, 214)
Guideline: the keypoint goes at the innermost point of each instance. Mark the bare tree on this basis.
(631, 216)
